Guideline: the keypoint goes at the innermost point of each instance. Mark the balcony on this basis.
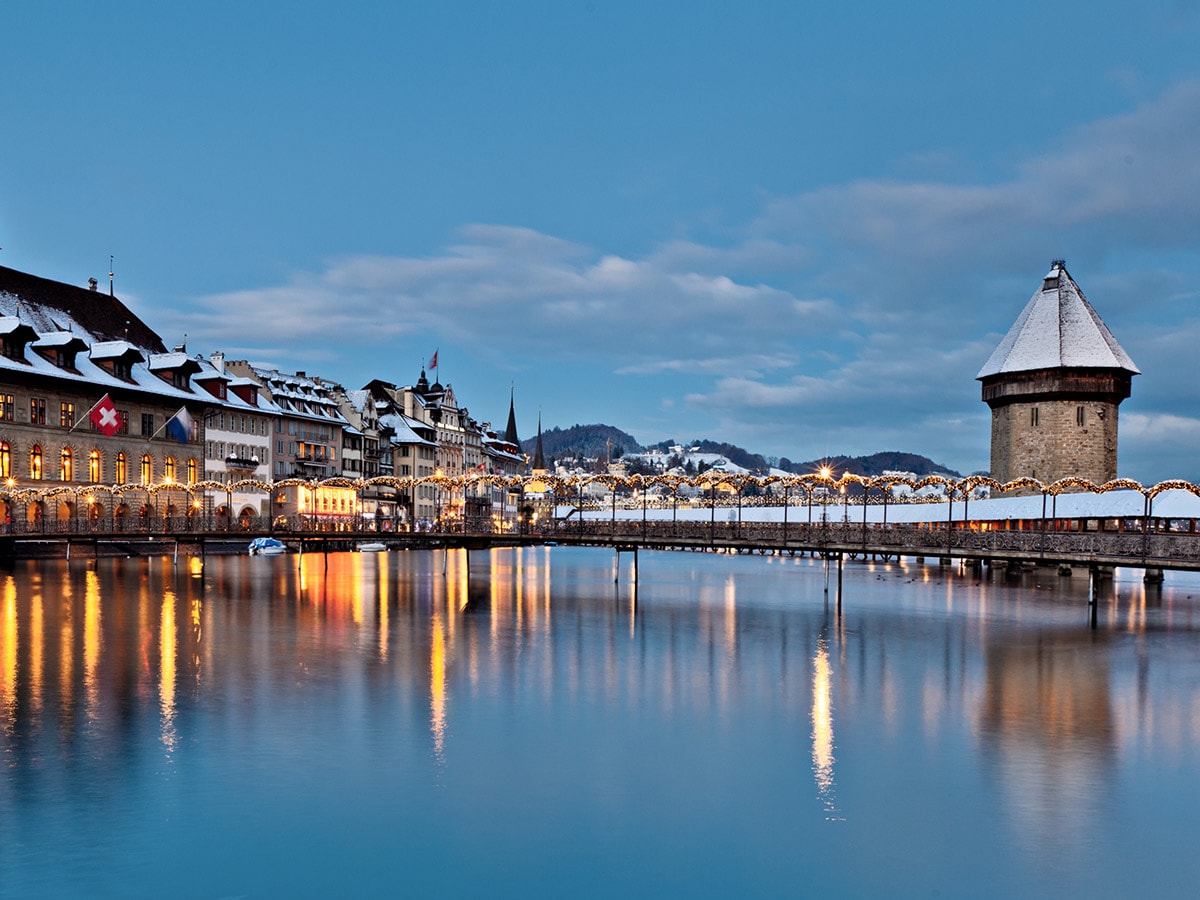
(241, 463)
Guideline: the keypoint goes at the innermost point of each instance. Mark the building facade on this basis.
(63, 349)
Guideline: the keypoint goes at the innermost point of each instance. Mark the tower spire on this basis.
(539, 458)
(510, 431)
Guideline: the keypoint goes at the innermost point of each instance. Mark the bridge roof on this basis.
(1058, 328)
(1112, 505)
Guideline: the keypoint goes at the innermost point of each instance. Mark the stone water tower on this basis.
(1054, 385)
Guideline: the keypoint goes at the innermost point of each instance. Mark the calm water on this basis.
(394, 724)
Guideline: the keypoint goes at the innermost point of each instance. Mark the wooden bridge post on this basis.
(839, 583)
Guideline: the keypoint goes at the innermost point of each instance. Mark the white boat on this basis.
(265, 546)
(372, 547)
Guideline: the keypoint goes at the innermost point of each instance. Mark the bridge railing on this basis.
(907, 539)
(1134, 546)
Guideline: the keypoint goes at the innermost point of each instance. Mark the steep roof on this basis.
(51, 305)
(510, 432)
(1058, 328)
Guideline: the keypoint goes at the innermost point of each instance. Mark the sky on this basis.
(796, 227)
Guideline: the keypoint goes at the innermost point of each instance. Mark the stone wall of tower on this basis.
(1049, 439)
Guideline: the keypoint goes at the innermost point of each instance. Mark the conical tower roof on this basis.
(1057, 329)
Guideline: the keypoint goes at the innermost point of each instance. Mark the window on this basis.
(6, 407)
(66, 414)
(124, 429)
(120, 473)
(37, 411)
(66, 465)
(1033, 417)
(1080, 416)
(169, 469)
(148, 425)
(94, 467)
(192, 470)
(147, 468)
(35, 462)
(5, 460)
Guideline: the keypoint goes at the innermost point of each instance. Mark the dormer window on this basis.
(117, 358)
(14, 335)
(175, 368)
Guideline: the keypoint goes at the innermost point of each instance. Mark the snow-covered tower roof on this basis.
(1058, 328)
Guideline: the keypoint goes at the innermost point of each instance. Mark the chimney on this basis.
(93, 284)
(218, 361)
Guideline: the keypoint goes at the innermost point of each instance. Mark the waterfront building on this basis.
(1054, 384)
(307, 442)
(367, 454)
(237, 446)
(63, 349)
(411, 452)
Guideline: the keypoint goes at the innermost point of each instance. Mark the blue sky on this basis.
(801, 228)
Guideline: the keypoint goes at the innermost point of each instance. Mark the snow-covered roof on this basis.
(116, 350)
(59, 339)
(402, 426)
(1058, 328)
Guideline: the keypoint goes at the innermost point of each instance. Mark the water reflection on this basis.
(436, 665)
(1047, 724)
(822, 727)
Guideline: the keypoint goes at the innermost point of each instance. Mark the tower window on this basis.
(1033, 417)
(1080, 416)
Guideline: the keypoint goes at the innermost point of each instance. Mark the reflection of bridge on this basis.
(1139, 541)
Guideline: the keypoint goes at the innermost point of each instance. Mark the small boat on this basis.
(265, 546)
(372, 547)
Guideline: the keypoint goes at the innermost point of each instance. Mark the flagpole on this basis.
(79, 421)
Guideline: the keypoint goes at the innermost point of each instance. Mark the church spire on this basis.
(510, 433)
(539, 458)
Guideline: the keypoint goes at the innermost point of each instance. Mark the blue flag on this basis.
(180, 425)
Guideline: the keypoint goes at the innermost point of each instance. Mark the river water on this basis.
(519, 725)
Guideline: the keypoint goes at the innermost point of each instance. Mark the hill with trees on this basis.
(605, 442)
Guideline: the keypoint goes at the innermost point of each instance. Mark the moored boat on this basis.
(265, 546)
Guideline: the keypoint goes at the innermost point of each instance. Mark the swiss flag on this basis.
(105, 417)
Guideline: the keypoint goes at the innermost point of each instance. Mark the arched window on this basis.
(66, 468)
(35, 462)
(169, 469)
(5, 460)
(94, 467)
(119, 474)
(193, 471)
(147, 468)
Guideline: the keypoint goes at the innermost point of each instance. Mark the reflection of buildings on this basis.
(96, 665)
(1046, 721)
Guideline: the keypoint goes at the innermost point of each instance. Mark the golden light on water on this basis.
(166, 670)
(8, 652)
(36, 651)
(91, 643)
(437, 683)
(822, 728)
